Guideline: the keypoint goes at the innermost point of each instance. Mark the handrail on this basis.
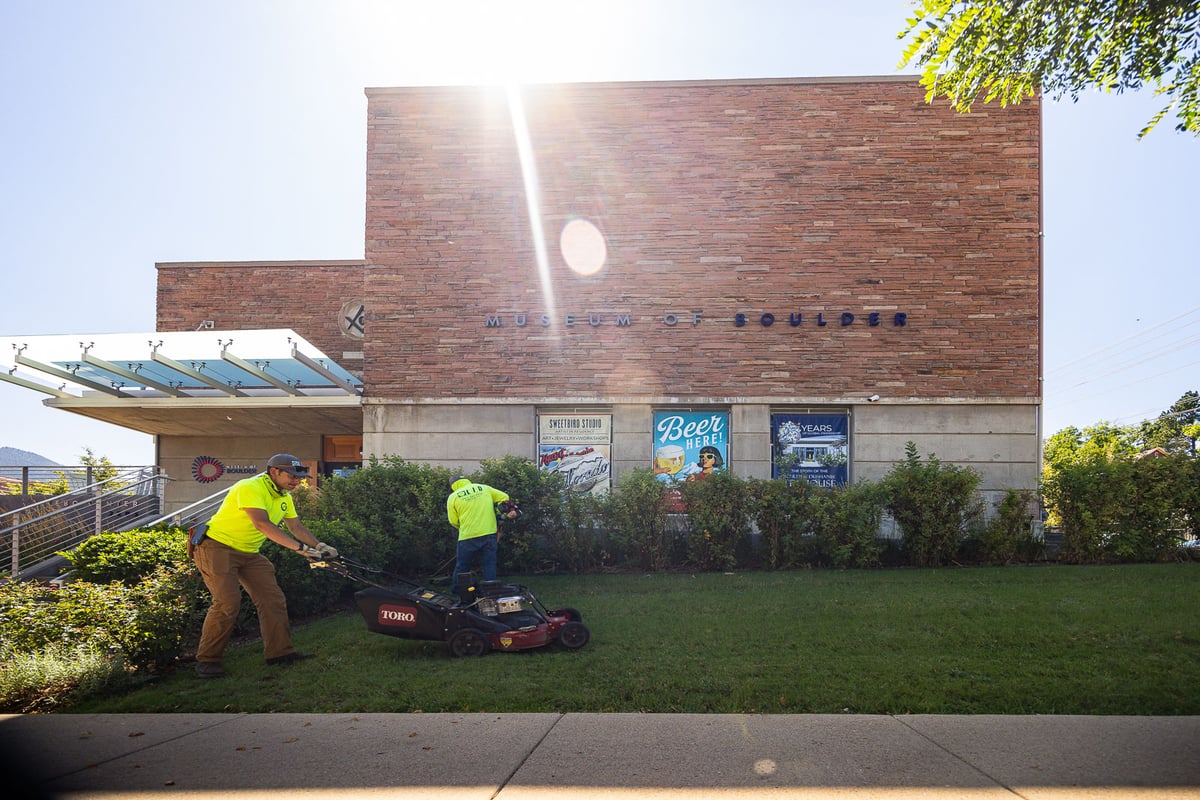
(193, 511)
(82, 503)
(70, 474)
(120, 481)
(31, 536)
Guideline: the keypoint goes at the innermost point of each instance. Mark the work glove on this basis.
(311, 553)
(327, 550)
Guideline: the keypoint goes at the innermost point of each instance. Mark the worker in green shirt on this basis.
(471, 509)
(226, 551)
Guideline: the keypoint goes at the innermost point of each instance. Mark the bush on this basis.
(933, 503)
(1155, 518)
(309, 591)
(781, 511)
(576, 545)
(1009, 536)
(525, 541)
(395, 514)
(127, 556)
(845, 522)
(718, 513)
(636, 516)
(1079, 496)
(147, 623)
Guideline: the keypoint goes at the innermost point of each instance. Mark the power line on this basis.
(1140, 335)
(1143, 361)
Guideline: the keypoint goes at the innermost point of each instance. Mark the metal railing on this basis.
(31, 535)
(199, 511)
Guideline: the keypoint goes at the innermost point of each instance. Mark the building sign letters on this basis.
(794, 319)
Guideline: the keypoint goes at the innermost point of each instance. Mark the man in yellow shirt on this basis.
(471, 508)
(228, 558)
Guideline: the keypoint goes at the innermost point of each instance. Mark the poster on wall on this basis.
(578, 447)
(690, 445)
(811, 447)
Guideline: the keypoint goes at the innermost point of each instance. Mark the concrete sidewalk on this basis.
(568, 756)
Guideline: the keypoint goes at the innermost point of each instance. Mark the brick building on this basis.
(799, 274)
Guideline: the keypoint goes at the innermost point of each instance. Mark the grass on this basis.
(1015, 640)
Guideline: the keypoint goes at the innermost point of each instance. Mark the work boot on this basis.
(290, 658)
(210, 669)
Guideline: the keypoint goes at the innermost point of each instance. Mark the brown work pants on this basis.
(225, 572)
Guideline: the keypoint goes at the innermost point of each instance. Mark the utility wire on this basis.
(1140, 335)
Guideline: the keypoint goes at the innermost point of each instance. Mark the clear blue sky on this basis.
(138, 131)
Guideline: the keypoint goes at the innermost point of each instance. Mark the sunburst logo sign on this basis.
(206, 469)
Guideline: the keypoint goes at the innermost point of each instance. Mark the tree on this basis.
(1175, 429)
(1007, 50)
(1095, 444)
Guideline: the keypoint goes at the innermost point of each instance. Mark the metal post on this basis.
(16, 552)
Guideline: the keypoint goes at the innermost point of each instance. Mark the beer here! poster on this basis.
(690, 445)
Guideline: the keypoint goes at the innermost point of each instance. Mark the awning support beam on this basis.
(131, 376)
(246, 366)
(69, 376)
(324, 372)
(195, 374)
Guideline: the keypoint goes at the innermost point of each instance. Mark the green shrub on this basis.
(1125, 510)
(1154, 518)
(127, 556)
(525, 541)
(781, 512)
(147, 623)
(846, 522)
(309, 591)
(160, 616)
(1079, 497)
(1008, 537)
(577, 544)
(636, 516)
(398, 509)
(933, 503)
(719, 509)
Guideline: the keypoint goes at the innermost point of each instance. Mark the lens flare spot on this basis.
(583, 247)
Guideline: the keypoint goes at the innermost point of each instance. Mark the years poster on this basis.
(812, 447)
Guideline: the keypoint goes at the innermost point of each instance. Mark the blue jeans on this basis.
(482, 546)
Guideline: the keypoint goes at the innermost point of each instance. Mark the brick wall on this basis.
(714, 198)
(306, 296)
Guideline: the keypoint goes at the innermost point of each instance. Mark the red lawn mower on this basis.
(482, 616)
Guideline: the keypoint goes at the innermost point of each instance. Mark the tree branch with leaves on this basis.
(1009, 50)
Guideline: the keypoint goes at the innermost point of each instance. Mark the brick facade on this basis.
(831, 197)
(910, 231)
(306, 296)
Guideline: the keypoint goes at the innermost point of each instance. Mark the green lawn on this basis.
(1015, 640)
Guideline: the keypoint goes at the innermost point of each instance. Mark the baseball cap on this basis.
(290, 464)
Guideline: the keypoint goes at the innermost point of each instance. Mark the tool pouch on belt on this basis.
(195, 536)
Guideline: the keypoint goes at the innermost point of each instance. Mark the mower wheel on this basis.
(468, 642)
(571, 613)
(573, 635)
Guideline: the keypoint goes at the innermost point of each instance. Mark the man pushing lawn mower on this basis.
(225, 550)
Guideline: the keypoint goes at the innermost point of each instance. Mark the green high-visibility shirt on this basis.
(472, 509)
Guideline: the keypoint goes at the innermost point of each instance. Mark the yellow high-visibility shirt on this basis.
(231, 524)
(472, 509)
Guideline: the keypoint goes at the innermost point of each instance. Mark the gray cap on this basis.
(290, 464)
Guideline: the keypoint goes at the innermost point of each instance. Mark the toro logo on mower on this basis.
(397, 616)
